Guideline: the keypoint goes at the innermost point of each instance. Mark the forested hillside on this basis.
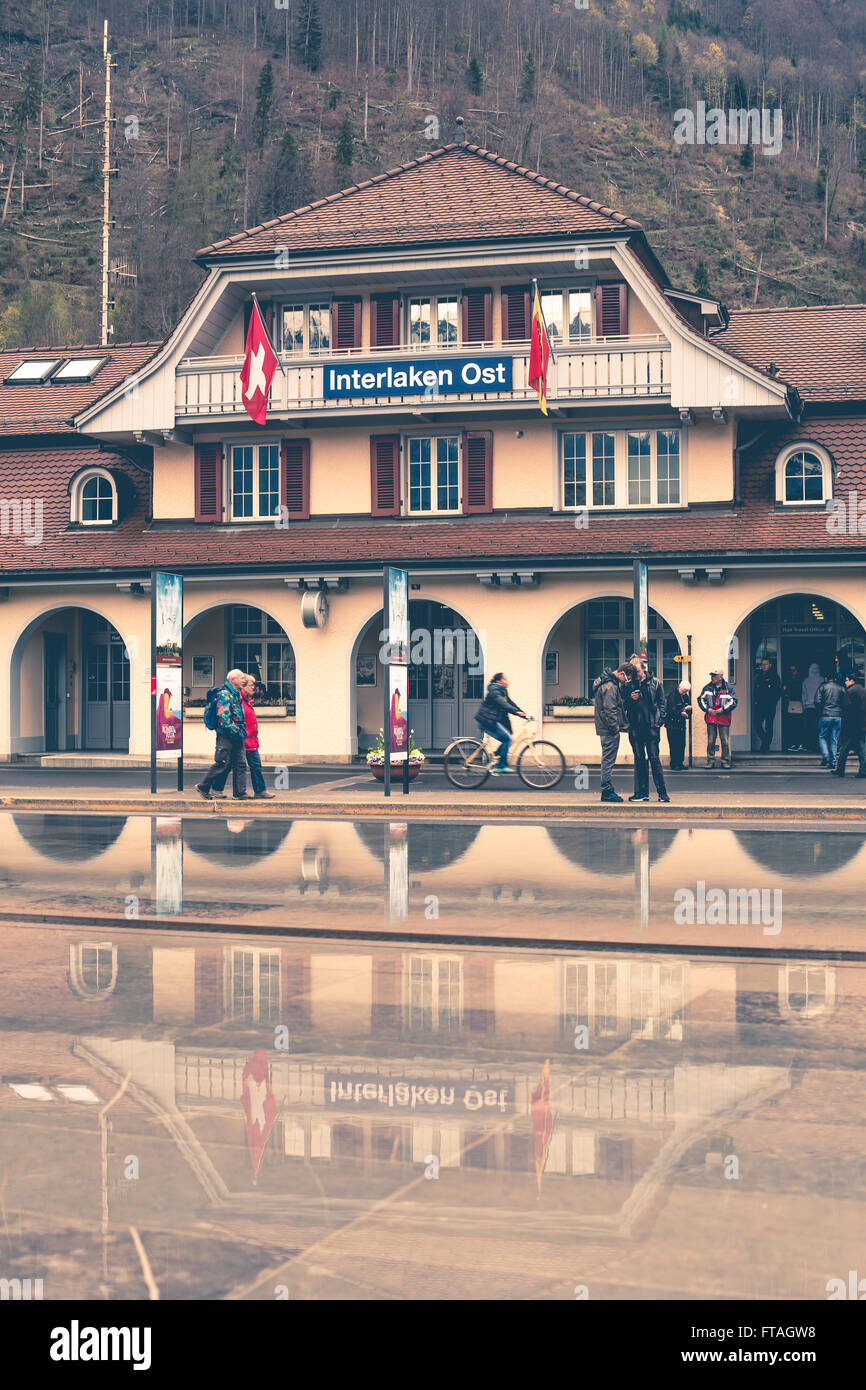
(228, 112)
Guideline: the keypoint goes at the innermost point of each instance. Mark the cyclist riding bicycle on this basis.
(492, 718)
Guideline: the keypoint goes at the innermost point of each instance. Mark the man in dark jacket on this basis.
(610, 721)
(231, 730)
(645, 705)
(853, 738)
(766, 694)
(828, 707)
(492, 718)
(679, 709)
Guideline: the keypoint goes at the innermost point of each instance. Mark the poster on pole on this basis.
(168, 663)
(641, 608)
(396, 666)
(168, 865)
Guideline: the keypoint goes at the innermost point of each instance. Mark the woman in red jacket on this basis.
(251, 745)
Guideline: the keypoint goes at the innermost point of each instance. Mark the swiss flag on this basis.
(257, 373)
(260, 1105)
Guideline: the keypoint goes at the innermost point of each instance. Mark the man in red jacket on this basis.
(251, 745)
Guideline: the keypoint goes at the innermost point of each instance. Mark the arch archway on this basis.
(446, 676)
(227, 635)
(70, 683)
(599, 632)
(68, 839)
(234, 844)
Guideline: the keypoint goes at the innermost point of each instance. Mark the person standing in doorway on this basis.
(679, 709)
(718, 702)
(231, 730)
(792, 711)
(828, 704)
(766, 694)
(809, 690)
(853, 738)
(251, 746)
(610, 721)
(645, 705)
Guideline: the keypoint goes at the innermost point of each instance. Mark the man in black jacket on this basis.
(853, 738)
(492, 718)
(828, 707)
(679, 709)
(766, 694)
(645, 705)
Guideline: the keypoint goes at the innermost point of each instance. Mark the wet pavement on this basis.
(574, 1061)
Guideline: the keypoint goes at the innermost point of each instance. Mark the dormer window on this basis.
(803, 476)
(94, 498)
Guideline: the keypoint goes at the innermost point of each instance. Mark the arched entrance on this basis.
(237, 635)
(598, 633)
(796, 632)
(70, 685)
(446, 676)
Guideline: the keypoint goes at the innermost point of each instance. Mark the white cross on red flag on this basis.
(257, 373)
(260, 1105)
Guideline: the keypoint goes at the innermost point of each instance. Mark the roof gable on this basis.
(51, 406)
(821, 349)
(457, 193)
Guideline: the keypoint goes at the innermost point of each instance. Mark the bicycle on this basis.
(540, 764)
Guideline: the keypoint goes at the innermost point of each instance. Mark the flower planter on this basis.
(378, 771)
(572, 711)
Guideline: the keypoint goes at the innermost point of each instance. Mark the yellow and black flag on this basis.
(539, 354)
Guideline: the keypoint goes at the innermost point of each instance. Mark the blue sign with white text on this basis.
(445, 376)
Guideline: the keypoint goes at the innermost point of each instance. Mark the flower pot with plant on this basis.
(376, 758)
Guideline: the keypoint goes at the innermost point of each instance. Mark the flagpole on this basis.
(265, 327)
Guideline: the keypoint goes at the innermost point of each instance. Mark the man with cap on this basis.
(718, 702)
(679, 708)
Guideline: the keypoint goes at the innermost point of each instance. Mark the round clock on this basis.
(314, 608)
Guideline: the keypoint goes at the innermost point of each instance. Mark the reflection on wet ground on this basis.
(706, 886)
(318, 1119)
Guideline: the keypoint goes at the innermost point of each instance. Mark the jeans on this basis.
(828, 737)
(609, 750)
(723, 732)
(229, 756)
(645, 747)
(254, 763)
(852, 743)
(764, 720)
(677, 743)
(499, 731)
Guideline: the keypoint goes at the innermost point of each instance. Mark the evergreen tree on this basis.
(821, 184)
(308, 34)
(264, 97)
(747, 156)
(474, 76)
(526, 89)
(344, 154)
(287, 184)
(702, 279)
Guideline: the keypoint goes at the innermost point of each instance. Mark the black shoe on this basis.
(639, 797)
(203, 792)
(241, 796)
(823, 763)
(664, 798)
(269, 795)
(610, 795)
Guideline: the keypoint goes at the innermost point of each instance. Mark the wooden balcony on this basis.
(631, 369)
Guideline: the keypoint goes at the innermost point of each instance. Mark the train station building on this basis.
(724, 449)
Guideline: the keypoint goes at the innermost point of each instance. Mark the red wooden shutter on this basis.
(295, 460)
(611, 310)
(516, 317)
(384, 320)
(478, 471)
(345, 323)
(208, 482)
(385, 474)
(477, 313)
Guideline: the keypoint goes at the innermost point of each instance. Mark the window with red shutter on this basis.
(611, 310)
(385, 320)
(385, 475)
(477, 308)
(208, 482)
(295, 461)
(516, 316)
(478, 471)
(345, 323)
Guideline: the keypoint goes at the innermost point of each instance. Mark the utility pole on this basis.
(106, 179)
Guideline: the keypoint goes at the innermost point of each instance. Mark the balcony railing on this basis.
(599, 369)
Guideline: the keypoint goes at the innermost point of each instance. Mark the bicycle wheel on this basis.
(541, 765)
(467, 763)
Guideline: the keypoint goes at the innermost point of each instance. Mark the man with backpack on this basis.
(224, 713)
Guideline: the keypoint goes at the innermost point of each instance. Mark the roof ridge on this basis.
(477, 151)
(85, 347)
(796, 309)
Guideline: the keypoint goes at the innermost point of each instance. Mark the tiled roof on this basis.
(755, 528)
(460, 192)
(820, 350)
(50, 408)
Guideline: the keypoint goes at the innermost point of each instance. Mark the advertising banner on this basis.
(168, 868)
(168, 663)
(395, 667)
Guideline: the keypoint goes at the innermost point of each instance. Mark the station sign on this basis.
(443, 376)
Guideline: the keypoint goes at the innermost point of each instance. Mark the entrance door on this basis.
(54, 667)
(445, 690)
(106, 688)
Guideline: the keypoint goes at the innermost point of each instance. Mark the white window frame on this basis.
(438, 985)
(783, 459)
(76, 501)
(562, 289)
(76, 971)
(233, 956)
(432, 435)
(48, 365)
(621, 501)
(305, 305)
(229, 492)
(431, 297)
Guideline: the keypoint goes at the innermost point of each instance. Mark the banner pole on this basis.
(153, 682)
(386, 681)
(691, 698)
